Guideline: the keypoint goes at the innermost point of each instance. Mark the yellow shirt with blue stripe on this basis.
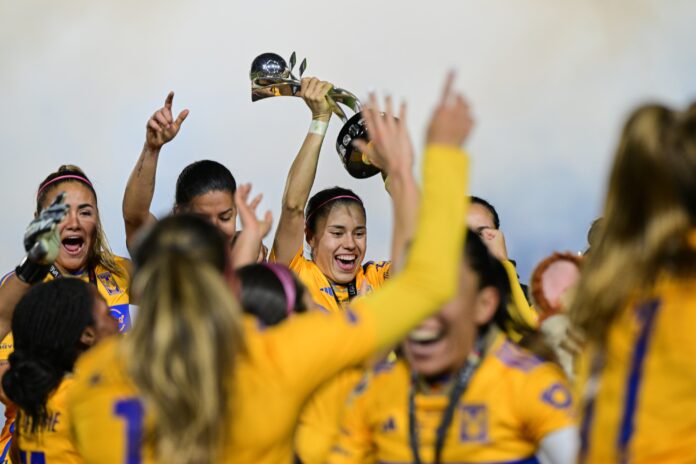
(51, 443)
(513, 401)
(284, 364)
(640, 405)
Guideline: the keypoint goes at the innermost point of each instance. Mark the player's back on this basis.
(51, 442)
(645, 408)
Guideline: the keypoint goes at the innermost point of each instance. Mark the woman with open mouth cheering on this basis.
(334, 223)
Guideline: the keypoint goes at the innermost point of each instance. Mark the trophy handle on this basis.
(276, 87)
(346, 98)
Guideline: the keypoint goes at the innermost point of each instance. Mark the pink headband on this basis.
(65, 177)
(338, 197)
(286, 280)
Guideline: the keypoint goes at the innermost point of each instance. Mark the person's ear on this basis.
(89, 336)
(487, 302)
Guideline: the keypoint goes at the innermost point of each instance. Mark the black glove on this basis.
(42, 242)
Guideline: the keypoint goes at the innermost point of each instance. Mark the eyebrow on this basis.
(227, 211)
(85, 205)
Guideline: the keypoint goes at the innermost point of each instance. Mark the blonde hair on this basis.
(645, 224)
(100, 253)
(183, 350)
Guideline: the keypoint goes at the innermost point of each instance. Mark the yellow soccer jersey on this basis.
(513, 401)
(6, 434)
(644, 409)
(317, 429)
(113, 288)
(333, 297)
(52, 442)
(284, 364)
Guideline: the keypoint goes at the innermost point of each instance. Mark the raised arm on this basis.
(290, 231)
(391, 150)
(160, 129)
(42, 243)
(427, 281)
(248, 243)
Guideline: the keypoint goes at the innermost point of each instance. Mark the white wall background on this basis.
(550, 83)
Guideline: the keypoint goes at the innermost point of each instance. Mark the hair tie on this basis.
(337, 197)
(288, 283)
(65, 177)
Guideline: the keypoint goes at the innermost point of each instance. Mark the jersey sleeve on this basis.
(354, 444)
(548, 404)
(324, 344)
(519, 307)
(317, 428)
(377, 272)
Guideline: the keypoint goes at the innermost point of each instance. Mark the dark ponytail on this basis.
(47, 325)
(263, 293)
(491, 273)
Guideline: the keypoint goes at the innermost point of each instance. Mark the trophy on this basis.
(272, 77)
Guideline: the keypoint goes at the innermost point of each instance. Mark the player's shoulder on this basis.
(98, 358)
(515, 357)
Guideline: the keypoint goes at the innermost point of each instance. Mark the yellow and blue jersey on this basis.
(334, 297)
(52, 442)
(513, 401)
(113, 288)
(639, 403)
(6, 434)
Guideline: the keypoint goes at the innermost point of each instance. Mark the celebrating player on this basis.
(464, 392)
(334, 223)
(636, 301)
(53, 324)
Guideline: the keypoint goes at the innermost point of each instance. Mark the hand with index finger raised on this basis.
(162, 127)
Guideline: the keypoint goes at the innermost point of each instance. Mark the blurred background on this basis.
(550, 84)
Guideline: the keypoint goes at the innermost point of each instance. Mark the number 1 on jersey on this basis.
(132, 411)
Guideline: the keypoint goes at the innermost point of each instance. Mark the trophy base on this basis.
(353, 159)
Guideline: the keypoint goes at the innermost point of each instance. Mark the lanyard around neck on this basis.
(461, 383)
(58, 275)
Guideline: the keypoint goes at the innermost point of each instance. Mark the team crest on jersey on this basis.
(122, 315)
(558, 396)
(474, 423)
(389, 425)
(109, 283)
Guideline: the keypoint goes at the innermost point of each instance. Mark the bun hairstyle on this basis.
(183, 351)
(270, 292)
(321, 204)
(200, 178)
(47, 325)
(100, 252)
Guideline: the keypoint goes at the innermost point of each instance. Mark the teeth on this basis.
(422, 335)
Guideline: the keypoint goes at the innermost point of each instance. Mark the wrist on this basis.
(325, 117)
(318, 127)
(31, 272)
(152, 150)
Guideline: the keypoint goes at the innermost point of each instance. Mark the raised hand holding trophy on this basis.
(272, 77)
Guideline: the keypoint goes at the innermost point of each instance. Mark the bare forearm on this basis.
(10, 293)
(405, 196)
(290, 232)
(302, 173)
(139, 190)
